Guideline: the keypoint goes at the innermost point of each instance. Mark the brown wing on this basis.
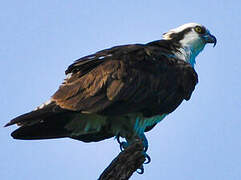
(126, 79)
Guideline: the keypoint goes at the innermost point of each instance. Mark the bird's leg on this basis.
(144, 141)
(148, 159)
(145, 144)
(123, 144)
(140, 170)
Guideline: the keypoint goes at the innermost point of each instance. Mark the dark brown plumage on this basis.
(131, 79)
(123, 91)
(125, 80)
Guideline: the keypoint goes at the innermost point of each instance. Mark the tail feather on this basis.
(46, 111)
(51, 127)
(55, 122)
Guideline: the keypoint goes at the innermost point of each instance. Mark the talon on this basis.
(140, 170)
(123, 145)
(148, 159)
(144, 141)
(118, 139)
(145, 149)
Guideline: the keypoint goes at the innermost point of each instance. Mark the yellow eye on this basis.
(198, 29)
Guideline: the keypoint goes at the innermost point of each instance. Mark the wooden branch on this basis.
(125, 164)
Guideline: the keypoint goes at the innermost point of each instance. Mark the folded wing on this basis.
(114, 82)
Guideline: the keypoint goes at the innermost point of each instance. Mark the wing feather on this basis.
(123, 80)
(127, 79)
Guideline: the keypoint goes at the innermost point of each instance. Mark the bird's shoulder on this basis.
(152, 57)
(129, 73)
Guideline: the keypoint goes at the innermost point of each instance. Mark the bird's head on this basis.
(191, 37)
(190, 34)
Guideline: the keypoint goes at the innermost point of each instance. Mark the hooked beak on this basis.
(209, 38)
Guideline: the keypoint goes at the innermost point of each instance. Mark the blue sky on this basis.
(39, 39)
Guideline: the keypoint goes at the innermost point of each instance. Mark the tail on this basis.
(52, 121)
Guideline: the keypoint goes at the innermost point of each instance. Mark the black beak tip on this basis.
(214, 40)
(209, 38)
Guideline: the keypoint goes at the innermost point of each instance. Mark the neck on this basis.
(188, 51)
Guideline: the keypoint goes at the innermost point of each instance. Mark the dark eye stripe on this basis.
(179, 36)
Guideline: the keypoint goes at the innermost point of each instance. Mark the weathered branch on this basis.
(125, 164)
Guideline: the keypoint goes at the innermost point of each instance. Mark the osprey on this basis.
(123, 91)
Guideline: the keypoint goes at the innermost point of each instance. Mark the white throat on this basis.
(191, 46)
